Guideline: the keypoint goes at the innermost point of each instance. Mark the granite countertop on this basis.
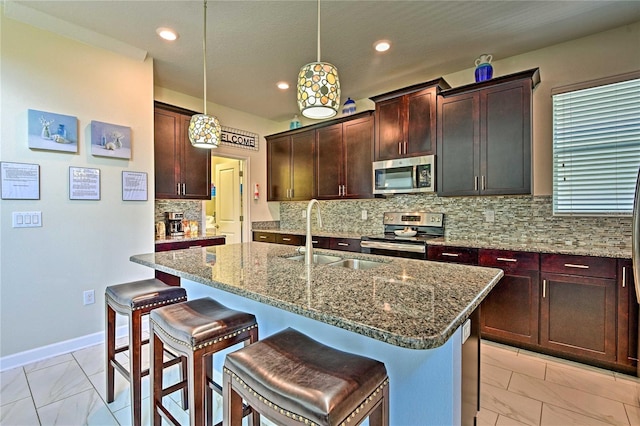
(188, 238)
(601, 250)
(408, 303)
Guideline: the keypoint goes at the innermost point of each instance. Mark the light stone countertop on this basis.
(601, 250)
(409, 303)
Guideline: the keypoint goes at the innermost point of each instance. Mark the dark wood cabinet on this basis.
(264, 237)
(510, 311)
(466, 255)
(332, 243)
(627, 316)
(290, 239)
(406, 121)
(484, 137)
(578, 306)
(344, 153)
(345, 244)
(185, 244)
(290, 166)
(181, 170)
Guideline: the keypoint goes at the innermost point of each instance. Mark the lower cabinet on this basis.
(290, 239)
(578, 306)
(510, 311)
(332, 243)
(468, 256)
(345, 244)
(627, 316)
(177, 245)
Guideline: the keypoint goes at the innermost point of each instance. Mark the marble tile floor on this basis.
(518, 388)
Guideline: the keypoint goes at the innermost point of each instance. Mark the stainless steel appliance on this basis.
(426, 225)
(635, 249)
(174, 224)
(404, 175)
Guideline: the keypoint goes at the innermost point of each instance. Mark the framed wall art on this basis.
(51, 131)
(134, 186)
(84, 183)
(110, 140)
(20, 181)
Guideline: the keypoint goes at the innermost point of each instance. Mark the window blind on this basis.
(596, 149)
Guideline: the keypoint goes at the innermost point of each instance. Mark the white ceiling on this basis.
(254, 44)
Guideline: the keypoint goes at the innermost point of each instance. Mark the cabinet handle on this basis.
(286, 239)
(264, 237)
(184, 189)
(484, 186)
(343, 244)
(406, 144)
(314, 242)
(624, 276)
(573, 265)
(178, 188)
(506, 259)
(399, 148)
(544, 288)
(344, 190)
(475, 183)
(291, 193)
(195, 247)
(451, 254)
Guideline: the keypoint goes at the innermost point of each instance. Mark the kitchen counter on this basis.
(407, 303)
(601, 250)
(409, 314)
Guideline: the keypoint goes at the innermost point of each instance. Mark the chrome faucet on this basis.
(308, 248)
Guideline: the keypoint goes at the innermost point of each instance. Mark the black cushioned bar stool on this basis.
(196, 329)
(134, 299)
(292, 379)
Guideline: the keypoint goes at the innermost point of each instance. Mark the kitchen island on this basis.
(406, 313)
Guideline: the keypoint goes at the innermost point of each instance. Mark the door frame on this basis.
(245, 166)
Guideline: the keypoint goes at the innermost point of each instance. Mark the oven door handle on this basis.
(414, 248)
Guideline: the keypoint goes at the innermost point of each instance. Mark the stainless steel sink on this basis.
(318, 259)
(355, 264)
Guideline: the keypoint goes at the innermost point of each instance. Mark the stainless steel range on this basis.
(405, 234)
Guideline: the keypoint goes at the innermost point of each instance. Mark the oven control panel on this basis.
(414, 219)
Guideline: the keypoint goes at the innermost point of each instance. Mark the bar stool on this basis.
(196, 329)
(134, 299)
(292, 379)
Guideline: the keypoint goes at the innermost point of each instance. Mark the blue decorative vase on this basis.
(349, 107)
(484, 70)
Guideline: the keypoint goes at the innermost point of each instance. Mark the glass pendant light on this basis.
(318, 87)
(204, 130)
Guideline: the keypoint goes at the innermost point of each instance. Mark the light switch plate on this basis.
(27, 219)
(466, 330)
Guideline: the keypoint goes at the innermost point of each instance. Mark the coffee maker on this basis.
(174, 224)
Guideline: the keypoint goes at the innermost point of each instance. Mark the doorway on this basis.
(225, 212)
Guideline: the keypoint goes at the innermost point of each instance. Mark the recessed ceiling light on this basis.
(283, 85)
(382, 45)
(167, 33)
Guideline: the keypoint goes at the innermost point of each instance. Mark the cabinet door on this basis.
(578, 316)
(329, 162)
(166, 126)
(420, 126)
(195, 166)
(458, 145)
(468, 256)
(627, 315)
(302, 165)
(505, 132)
(279, 168)
(358, 157)
(389, 129)
(345, 244)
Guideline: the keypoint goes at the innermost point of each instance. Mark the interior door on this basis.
(228, 201)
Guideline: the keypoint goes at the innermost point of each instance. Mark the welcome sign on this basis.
(239, 138)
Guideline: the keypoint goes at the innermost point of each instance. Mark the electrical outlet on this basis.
(489, 216)
(304, 214)
(364, 215)
(89, 297)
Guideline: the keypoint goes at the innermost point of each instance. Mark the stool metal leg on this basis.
(110, 350)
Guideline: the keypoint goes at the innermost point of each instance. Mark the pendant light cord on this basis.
(318, 30)
(204, 56)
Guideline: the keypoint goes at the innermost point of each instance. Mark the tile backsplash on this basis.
(192, 209)
(515, 218)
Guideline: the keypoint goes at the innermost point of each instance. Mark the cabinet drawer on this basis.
(465, 255)
(345, 244)
(291, 239)
(319, 242)
(509, 260)
(265, 237)
(178, 245)
(590, 266)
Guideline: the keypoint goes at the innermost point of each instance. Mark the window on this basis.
(596, 146)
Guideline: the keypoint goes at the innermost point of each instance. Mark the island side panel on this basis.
(425, 385)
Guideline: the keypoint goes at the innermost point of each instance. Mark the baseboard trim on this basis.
(49, 351)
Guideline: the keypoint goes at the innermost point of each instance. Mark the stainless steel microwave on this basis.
(404, 175)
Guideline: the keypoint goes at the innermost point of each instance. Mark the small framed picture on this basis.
(51, 131)
(134, 186)
(84, 183)
(20, 181)
(110, 140)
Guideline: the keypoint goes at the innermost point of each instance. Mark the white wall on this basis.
(82, 244)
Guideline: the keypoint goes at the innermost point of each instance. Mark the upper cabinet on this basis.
(290, 166)
(181, 171)
(344, 153)
(406, 121)
(484, 137)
